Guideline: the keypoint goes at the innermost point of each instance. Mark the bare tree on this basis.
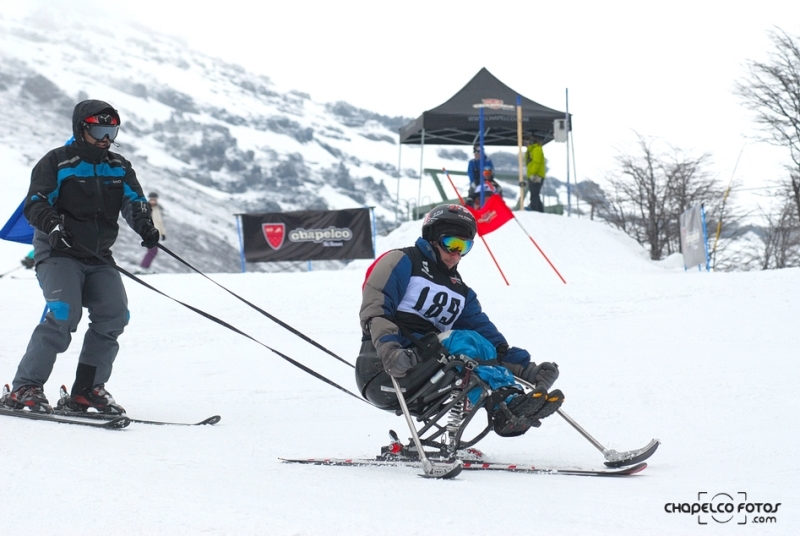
(653, 188)
(772, 91)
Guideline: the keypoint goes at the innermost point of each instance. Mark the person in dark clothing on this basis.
(76, 195)
(490, 186)
(417, 292)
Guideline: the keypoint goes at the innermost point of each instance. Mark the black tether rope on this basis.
(222, 323)
(257, 308)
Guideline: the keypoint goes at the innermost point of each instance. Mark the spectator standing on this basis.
(535, 171)
(490, 187)
(158, 222)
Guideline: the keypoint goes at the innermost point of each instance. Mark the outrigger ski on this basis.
(472, 466)
(110, 417)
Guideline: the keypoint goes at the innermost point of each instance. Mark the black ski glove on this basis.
(431, 348)
(150, 236)
(399, 360)
(544, 374)
(502, 350)
(59, 237)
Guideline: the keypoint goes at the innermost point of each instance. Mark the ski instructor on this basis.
(76, 195)
(417, 292)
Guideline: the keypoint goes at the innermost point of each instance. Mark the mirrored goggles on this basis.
(99, 132)
(452, 244)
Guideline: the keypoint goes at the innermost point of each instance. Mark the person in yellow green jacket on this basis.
(535, 171)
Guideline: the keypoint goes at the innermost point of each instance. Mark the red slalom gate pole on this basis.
(540, 250)
(461, 199)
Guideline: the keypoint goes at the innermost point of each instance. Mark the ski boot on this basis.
(526, 411)
(94, 400)
(26, 398)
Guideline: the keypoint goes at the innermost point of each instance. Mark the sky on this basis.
(664, 70)
(705, 362)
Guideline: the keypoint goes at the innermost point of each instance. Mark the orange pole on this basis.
(461, 199)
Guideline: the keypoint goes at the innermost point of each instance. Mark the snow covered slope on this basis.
(704, 362)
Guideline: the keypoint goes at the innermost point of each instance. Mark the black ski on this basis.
(118, 422)
(106, 417)
(473, 466)
(64, 394)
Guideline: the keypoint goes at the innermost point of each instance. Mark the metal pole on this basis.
(569, 198)
(419, 189)
(430, 470)
(575, 174)
(483, 157)
(397, 204)
(241, 244)
(519, 157)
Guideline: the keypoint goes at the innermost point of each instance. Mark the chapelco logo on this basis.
(320, 235)
(726, 508)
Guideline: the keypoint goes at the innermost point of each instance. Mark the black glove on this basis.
(150, 236)
(399, 360)
(544, 374)
(431, 348)
(28, 262)
(59, 237)
(502, 349)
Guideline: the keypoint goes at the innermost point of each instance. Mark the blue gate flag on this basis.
(17, 228)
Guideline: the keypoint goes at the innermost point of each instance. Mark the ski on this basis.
(118, 422)
(106, 417)
(472, 466)
(64, 394)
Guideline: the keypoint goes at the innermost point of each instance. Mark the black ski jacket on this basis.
(86, 188)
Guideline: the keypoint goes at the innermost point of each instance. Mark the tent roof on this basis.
(456, 122)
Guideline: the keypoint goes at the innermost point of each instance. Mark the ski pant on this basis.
(148, 257)
(68, 286)
(535, 188)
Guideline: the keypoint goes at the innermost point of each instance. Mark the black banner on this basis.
(307, 235)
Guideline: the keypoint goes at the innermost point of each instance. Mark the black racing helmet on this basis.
(454, 220)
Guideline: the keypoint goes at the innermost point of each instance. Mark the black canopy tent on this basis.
(456, 122)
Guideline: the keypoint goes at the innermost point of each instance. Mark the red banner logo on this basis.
(494, 104)
(274, 233)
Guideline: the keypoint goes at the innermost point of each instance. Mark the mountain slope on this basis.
(212, 139)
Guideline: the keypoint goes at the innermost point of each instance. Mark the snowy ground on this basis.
(705, 362)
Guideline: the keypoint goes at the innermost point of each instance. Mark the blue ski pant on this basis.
(69, 286)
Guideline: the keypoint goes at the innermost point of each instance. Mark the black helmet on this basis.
(453, 220)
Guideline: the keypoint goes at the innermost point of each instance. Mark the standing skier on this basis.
(75, 198)
(417, 292)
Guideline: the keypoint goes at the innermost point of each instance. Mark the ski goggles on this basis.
(99, 132)
(453, 244)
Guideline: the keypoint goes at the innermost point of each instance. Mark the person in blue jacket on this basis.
(418, 291)
(76, 195)
(490, 185)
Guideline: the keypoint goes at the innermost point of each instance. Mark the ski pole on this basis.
(613, 458)
(10, 271)
(223, 324)
(431, 470)
(263, 312)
